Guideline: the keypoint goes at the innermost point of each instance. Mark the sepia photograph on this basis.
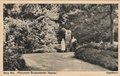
(60, 37)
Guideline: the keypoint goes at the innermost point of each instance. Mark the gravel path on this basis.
(58, 62)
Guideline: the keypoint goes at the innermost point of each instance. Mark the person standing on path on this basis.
(73, 44)
(66, 35)
(68, 39)
(63, 45)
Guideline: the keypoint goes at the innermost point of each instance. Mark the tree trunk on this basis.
(111, 25)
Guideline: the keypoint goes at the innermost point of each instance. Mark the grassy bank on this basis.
(105, 55)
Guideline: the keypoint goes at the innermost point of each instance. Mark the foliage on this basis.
(75, 17)
(103, 46)
(91, 22)
(12, 59)
(37, 26)
(100, 54)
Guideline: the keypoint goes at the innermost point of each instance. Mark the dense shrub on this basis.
(90, 26)
(31, 35)
(99, 54)
(12, 60)
(103, 46)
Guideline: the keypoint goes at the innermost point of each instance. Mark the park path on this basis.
(58, 62)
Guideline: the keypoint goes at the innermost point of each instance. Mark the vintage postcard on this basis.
(56, 37)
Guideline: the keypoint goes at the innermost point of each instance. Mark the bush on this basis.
(103, 46)
(12, 60)
(105, 58)
(31, 34)
(44, 50)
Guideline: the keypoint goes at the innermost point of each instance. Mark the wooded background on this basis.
(38, 25)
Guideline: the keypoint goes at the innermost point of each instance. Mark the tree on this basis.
(111, 25)
(113, 11)
(38, 19)
(92, 21)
